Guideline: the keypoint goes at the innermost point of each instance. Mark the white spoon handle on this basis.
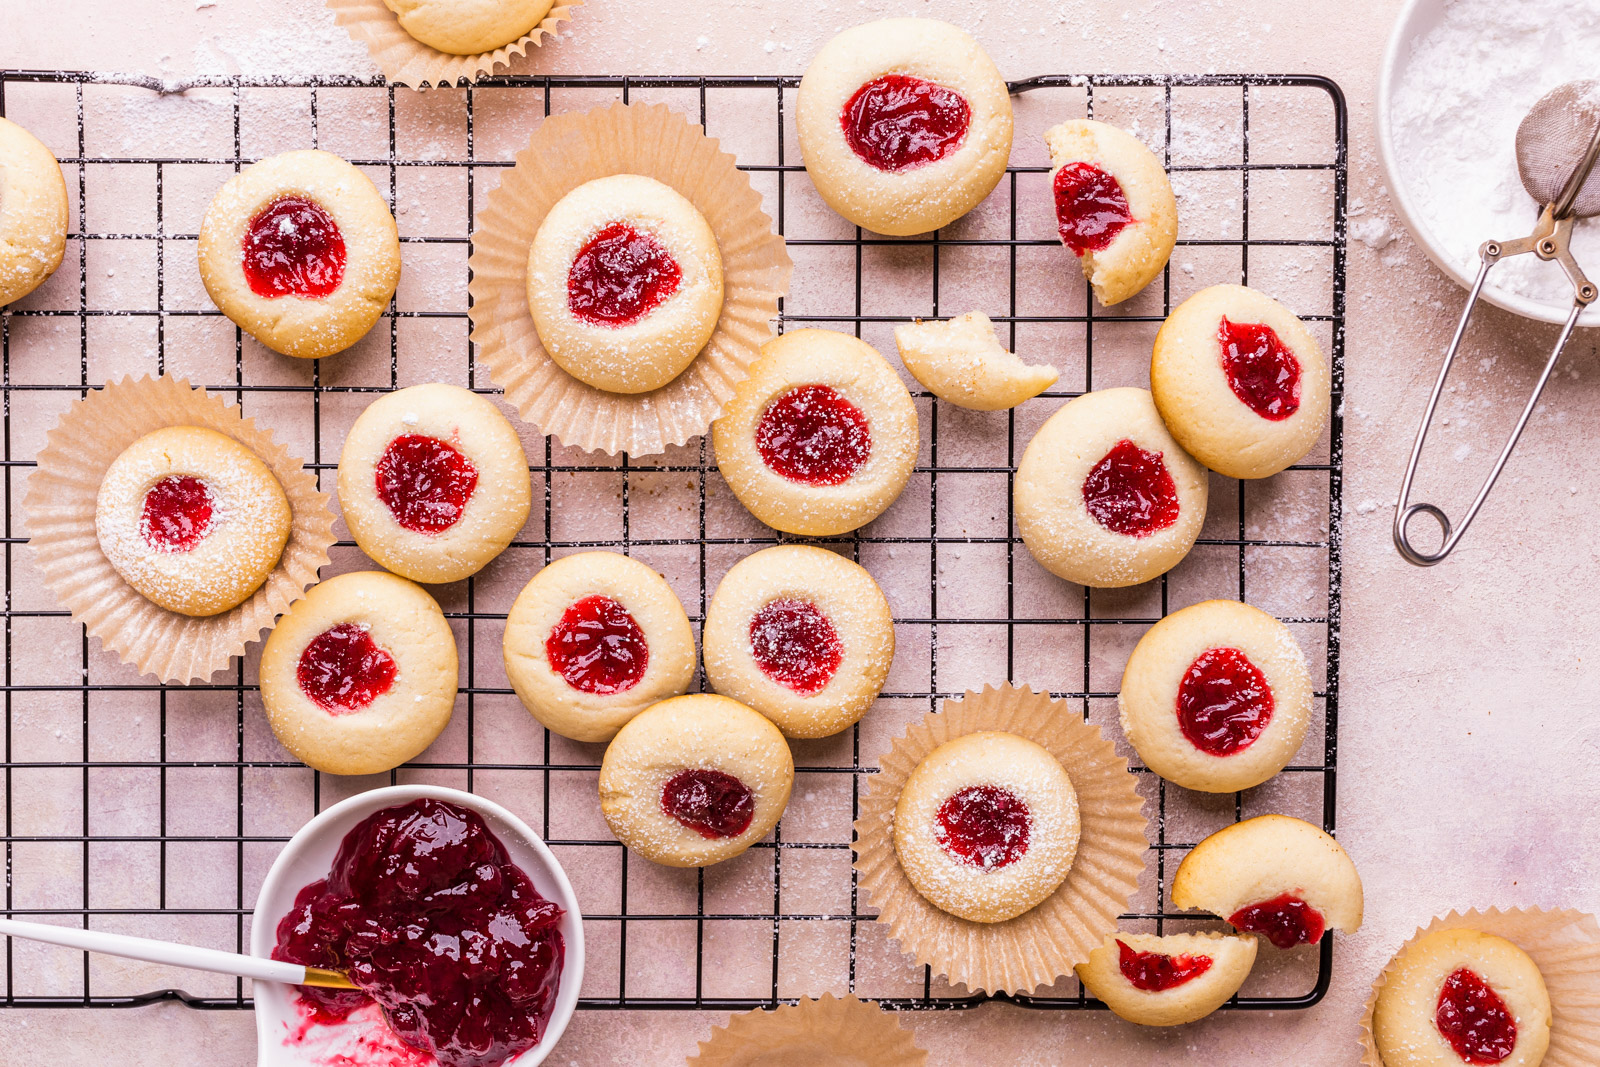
(151, 951)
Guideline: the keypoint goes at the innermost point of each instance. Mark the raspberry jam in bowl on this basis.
(516, 872)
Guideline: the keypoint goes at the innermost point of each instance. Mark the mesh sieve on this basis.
(1554, 139)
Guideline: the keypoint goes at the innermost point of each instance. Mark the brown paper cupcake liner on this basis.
(405, 60)
(59, 511)
(565, 152)
(810, 1033)
(1035, 948)
(1564, 944)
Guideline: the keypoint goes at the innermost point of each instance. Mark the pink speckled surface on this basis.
(1467, 739)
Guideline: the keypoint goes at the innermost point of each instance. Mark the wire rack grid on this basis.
(108, 816)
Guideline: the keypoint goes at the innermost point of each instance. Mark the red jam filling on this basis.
(898, 122)
(1131, 492)
(711, 803)
(293, 248)
(344, 669)
(814, 436)
(795, 645)
(1285, 920)
(1224, 702)
(426, 913)
(1155, 972)
(177, 514)
(1473, 1018)
(1090, 207)
(598, 647)
(619, 276)
(984, 826)
(424, 482)
(1261, 370)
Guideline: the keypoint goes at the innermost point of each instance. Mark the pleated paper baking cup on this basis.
(405, 60)
(1564, 945)
(1041, 945)
(565, 152)
(839, 1032)
(59, 513)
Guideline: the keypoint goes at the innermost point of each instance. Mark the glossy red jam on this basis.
(814, 436)
(1224, 702)
(293, 248)
(1473, 1018)
(898, 122)
(1155, 972)
(619, 276)
(344, 669)
(1090, 207)
(424, 482)
(598, 647)
(1285, 920)
(984, 826)
(795, 645)
(425, 911)
(177, 514)
(713, 804)
(1130, 491)
(1261, 370)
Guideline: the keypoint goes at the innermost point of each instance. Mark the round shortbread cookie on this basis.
(469, 27)
(33, 213)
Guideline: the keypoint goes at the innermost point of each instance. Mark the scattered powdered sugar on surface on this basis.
(1456, 106)
(305, 43)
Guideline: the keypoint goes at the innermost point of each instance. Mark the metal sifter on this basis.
(1558, 144)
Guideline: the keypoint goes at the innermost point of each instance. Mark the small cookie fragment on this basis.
(962, 361)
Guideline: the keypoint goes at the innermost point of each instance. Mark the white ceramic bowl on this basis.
(1417, 18)
(308, 856)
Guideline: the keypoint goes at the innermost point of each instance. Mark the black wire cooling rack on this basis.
(111, 804)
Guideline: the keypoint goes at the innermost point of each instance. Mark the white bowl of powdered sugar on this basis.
(1458, 77)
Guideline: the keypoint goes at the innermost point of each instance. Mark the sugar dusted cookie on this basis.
(469, 27)
(960, 360)
(33, 213)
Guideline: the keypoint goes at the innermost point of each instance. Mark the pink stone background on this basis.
(1466, 749)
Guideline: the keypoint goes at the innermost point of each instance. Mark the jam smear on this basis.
(598, 647)
(178, 512)
(343, 669)
(426, 913)
(897, 122)
(713, 804)
(1155, 972)
(424, 482)
(1261, 370)
(1091, 208)
(814, 436)
(795, 645)
(1224, 702)
(1285, 920)
(1130, 491)
(619, 276)
(293, 247)
(984, 826)
(1472, 1017)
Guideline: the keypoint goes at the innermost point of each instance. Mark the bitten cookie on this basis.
(33, 213)
(905, 124)
(1458, 997)
(1167, 981)
(987, 826)
(594, 639)
(300, 251)
(624, 283)
(802, 635)
(1216, 697)
(821, 438)
(695, 780)
(961, 361)
(469, 27)
(1104, 495)
(433, 482)
(360, 675)
(1240, 381)
(1275, 876)
(1114, 206)
(192, 519)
